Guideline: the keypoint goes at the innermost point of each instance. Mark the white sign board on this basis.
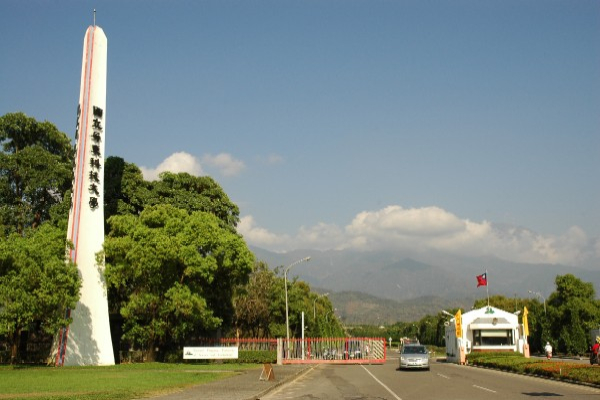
(209, 353)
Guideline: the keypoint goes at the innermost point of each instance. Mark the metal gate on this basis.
(331, 351)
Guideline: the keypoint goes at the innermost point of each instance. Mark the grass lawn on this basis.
(119, 382)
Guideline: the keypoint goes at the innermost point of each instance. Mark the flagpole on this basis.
(487, 287)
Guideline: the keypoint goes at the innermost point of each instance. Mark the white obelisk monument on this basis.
(87, 340)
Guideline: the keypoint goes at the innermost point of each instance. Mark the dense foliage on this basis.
(35, 171)
(572, 311)
(254, 357)
(37, 283)
(126, 192)
(260, 307)
(173, 273)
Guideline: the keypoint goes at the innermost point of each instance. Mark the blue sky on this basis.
(462, 126)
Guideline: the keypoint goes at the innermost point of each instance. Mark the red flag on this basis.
(482, 280)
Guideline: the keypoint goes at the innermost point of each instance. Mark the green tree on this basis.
(173, 273)
(300, 299)
(125, 191)
(260, 307)
(252, 303)
(194, 193)
(321, 305)
(36, 171)
(37, 283)
(539, 331)
(572, 311)
(298, 302)
(432, 329)
(277, 305)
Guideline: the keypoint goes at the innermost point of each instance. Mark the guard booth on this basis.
(331, 351)
(485, 329)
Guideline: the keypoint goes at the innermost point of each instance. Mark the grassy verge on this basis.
(515, 362)
(119, 382)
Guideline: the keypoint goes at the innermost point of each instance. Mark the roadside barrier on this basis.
(345, 350)
(333, 350)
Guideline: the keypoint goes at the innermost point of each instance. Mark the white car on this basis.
(414, 356)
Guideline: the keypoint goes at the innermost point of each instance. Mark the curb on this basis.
(282, 382)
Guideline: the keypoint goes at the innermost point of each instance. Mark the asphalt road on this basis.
(443, 381)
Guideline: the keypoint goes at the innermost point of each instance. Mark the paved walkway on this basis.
(246, 385)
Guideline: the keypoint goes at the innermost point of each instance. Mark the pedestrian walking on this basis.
(548, 350)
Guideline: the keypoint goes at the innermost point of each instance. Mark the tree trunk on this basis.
(14, 348)
(151, 352)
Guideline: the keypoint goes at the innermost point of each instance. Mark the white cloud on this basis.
(261, 237)
(320, 236)
(572, 247)
(225, 163)
(394, 228)
(185, 162)
(429, 221)
(176, 162)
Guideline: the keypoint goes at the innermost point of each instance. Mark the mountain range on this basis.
(385, 287)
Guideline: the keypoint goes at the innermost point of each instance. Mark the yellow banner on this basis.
(458, 324)
(525, 324)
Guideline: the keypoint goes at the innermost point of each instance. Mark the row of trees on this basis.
(37, 284)
(175, 265)
(565, 319)
(260, 307)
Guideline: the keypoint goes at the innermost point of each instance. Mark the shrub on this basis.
(255, 357)
(516, 362)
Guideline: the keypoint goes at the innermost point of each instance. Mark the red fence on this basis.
(334, 351)
(348, 350)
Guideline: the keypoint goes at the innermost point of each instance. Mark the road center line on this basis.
(382, 384)
(444, 376)
(486, 389)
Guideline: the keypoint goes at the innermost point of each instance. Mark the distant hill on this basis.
(401, 286)
(362, 308)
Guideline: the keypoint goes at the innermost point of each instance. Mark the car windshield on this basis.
(414, 350)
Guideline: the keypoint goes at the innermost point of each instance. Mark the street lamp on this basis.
(538, 294)
(287, 319)
(315, 304)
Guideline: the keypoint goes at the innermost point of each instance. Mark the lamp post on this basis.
(287, 319)
(538, 294)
